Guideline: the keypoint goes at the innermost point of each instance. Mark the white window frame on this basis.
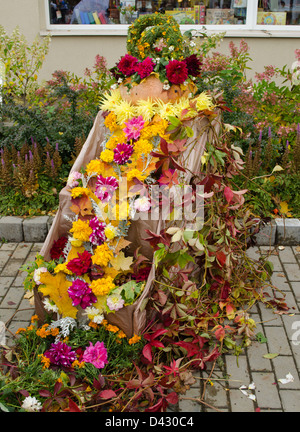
(249, 29)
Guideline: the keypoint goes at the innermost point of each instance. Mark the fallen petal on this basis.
(289, 378)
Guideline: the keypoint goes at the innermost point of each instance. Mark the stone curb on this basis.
(16, 229)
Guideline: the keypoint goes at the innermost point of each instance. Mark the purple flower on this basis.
(97, 237)
(61, 354)
(81, 294)
(105, 188)
(122, 153)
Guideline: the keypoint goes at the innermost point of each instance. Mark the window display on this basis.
(277, 12)
(219, 12)
(203, 12)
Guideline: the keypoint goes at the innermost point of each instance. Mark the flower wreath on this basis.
(148, 32)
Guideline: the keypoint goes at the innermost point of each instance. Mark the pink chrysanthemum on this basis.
(81, 294)
(105, 188)
(60, 354)
(145, 67)
(96, 354)
(133, 127)
(122, 153)
(97, 237)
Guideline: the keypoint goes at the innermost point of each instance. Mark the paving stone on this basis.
(237, 372)
(277, 340)
(267, 234)
(292, 271)
(12, 298)
(4, 257)
(296, 250)
(21, 251)
(190, 405)
(12, 268)
(37, 247)
(19, 280)
(295, 346)
(287, 255)
(267, 394)
(11, 228)
(256, 360)
(5, 283)
(292, 327)
(291, 302)
(216, 395)
(253, 253)
(239, 402)
(268, 316)
(296, 290)
(290, 400)
(5, 314)
(288, 231)
(274, 259)
(35, 229)
(8, 246)
(282, 366)
(280, 281)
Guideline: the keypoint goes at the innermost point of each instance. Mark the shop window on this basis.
(277, 12)
(91, 12)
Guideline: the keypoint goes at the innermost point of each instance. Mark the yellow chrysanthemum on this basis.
(107, 156)
(98, 167)
(145, 108)
(203, 102)
(111, 100)
(102, 255)
(142, 146)
(62, 268)
(102, 286)
(124, 111)
(182, 104)
(79, 191)
(75, 242)
(165, 110)
(111, 122)
(117, 138)
(81, 230)
(121, 211)
(135, 173)
(110, 232)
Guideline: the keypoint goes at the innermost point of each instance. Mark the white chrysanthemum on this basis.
(37, 274)
(94, 315)
(124, 111)
(49, 305)
(145, 108)
(31, 404)
(111, 100)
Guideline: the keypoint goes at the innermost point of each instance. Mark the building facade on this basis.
(81, 29)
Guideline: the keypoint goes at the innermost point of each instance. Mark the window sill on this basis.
(121, 30)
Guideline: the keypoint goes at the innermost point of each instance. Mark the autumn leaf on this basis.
(56, 287)
(284, 209)
(82, 206)
(169, 177)
(121, 262)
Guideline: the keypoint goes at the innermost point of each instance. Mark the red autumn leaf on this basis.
(147, 353)
(191, 348)
(172, 398)
(45, 393)
(73, 407)
(220, 333)
(107, 394)
(221, 257)
(228, 194)
(169, 177)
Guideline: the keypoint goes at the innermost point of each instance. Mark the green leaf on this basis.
(261, 338)
(270, 355)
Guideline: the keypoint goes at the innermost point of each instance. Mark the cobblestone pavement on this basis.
(222, 393)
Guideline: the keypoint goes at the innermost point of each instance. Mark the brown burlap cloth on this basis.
(131, 319)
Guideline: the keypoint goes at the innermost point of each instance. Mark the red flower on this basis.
(193, 65)
(142, 274)
(127, 65)
(177, 71)
(80, 265)
(57, 248)
(145, 67)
